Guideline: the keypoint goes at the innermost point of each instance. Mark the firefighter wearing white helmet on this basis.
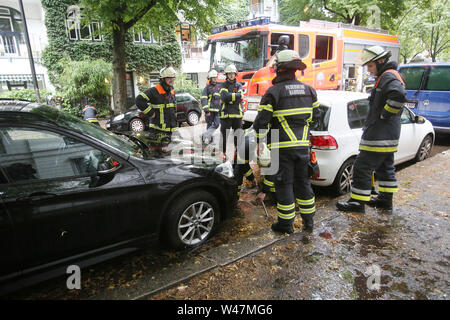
(380, 136)
(289, 106)
(211, 106)
(159, 104)
(231, 111)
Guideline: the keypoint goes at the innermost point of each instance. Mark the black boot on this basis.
(351, 205)
(383, 201)
(283, 227)
(308, 222)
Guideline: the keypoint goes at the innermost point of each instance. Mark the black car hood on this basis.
(177, 150)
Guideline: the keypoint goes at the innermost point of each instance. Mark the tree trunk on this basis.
(119, 65)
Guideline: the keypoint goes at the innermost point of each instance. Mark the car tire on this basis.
(343, 182)
(184, 226)
(137, 125)
(424, 150)
(192, 118)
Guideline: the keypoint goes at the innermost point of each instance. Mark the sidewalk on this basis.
(378, 255)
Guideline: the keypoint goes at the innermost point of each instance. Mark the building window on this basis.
(76, 30)
(193, 77)
(145, 36)
(185, 33)
(11, 31)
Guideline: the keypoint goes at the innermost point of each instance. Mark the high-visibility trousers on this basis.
(367, 162)
(292, 185)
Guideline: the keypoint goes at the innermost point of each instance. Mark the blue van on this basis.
(428, 92)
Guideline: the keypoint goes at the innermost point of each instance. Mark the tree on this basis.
(84, 81)
(424, 28)
(294, 11)
(232, 11)
(118, 16)
(357, 12)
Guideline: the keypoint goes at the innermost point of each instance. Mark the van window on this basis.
(303, 45)
(357, 113)
(439, 79)
(413, 77)
(274, 41)
(324, 48)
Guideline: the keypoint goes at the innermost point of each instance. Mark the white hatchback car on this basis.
(335, 138)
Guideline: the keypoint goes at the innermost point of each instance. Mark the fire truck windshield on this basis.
(246, 54)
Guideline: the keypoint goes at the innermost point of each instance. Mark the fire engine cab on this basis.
(330, 51)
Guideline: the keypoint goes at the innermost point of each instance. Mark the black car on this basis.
(188, 109)
(73, 192)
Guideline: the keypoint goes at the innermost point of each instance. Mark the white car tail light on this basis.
(323, 142)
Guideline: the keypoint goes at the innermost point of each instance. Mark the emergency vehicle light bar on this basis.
(241, 24)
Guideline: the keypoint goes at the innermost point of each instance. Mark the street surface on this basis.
(377, 255)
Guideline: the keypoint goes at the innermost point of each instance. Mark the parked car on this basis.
(188, 110)
(428, 92)
(335, 138)
(71, 192)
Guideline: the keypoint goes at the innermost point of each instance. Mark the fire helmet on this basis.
(167, 72)
(289, 59)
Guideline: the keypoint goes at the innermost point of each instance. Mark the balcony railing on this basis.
(191, 50)
(9, 43)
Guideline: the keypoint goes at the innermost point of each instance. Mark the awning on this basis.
(19, 77)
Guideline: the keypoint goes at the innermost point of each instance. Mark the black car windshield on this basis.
(67, 120)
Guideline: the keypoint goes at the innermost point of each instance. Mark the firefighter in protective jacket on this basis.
(159, 104)
(211, 105)
(231, 111)
(90, 114)
(289, 107)
(380, 136)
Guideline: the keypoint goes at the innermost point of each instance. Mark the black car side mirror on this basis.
(108, 166)
(419, 119)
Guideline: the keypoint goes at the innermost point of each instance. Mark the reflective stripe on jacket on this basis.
(288, 106)
(157, 101)
(231, 94)
(90, 114)
(211, 98)
(386, 100)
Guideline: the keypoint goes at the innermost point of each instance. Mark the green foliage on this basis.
(183, 85)
(232, 11)
(139, 57)
(424, 29)
(25, 94)
(84, 81)
(358, 12)
(294, 11)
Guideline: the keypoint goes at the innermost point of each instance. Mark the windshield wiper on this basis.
(135, 141)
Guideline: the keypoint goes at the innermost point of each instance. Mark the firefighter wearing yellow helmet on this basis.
(231, 112)
(289, 106)
(211, 105)
(380, 136)
(159, 104)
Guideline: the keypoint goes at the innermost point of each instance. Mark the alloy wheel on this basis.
(137, 125)
(425, 149)
(193, 118)
(345, 182)
(196, 223)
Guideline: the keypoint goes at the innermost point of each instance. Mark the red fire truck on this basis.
(330, 51)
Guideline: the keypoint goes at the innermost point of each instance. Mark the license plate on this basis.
(410, 105)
